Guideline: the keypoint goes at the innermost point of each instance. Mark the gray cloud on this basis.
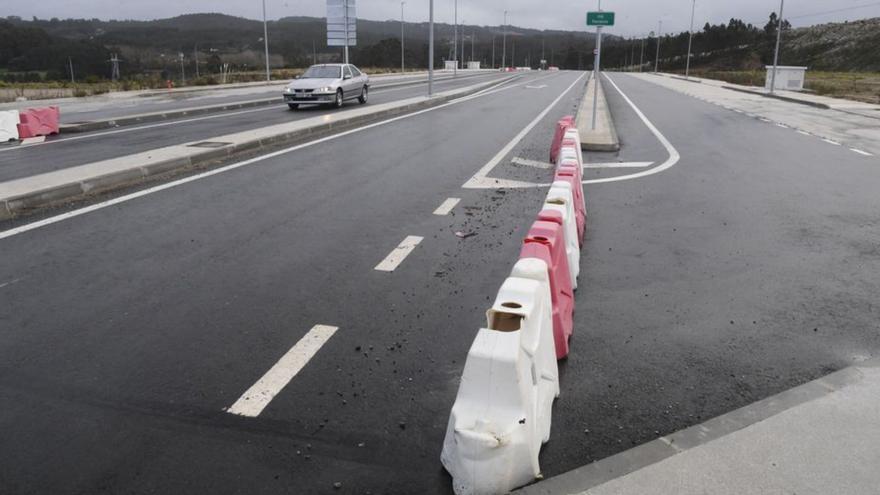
(634, 17)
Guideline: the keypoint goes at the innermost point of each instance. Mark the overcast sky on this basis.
(634, 17)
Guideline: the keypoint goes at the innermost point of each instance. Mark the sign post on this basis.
(341, 25)
(598, 19)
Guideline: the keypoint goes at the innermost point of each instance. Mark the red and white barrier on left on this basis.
(35, 122)
(9, 125)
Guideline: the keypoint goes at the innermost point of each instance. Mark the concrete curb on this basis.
(579, 480)
(145, 118)
(778, 97)
(14, 206)
(604, 137)
(688, 80)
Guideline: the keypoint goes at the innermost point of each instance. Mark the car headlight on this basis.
(326, 89)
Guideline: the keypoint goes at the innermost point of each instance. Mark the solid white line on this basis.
(256, 398)
(865, 153)
(619, 165)
(13, 281)
(531, 163)
(673, 153)
(805, 133)
(220, 114)
(128, 197)
(396, 257)
(762, 119)
(778, 124)
(835, 143)
(479, 179)
(446, 206)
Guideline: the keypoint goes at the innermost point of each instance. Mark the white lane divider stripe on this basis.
(619, 165)
(805, 133)
(865, 153)
(396, 257)
(446, 206)
(256, 398)
(779, 124)
(531, 163)
(835, 143)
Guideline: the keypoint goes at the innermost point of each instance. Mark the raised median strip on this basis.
(604, 136)
(144, 118)
(22, 195)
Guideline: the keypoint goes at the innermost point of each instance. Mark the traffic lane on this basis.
(88, 148)
(191, 314)
(183, 101)
(746, 269)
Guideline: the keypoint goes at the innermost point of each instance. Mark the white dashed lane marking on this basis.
(396, 257)
(446, 206)
(256, 398)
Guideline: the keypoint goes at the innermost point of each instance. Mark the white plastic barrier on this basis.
(572, 133)
(560, 199)
(8, 125)
(502, 412)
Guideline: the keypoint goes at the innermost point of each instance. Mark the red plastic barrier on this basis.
(561, 126)
(546, 241)
(38, 122)
(570, 175)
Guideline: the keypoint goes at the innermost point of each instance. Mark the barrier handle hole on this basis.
(504, 322)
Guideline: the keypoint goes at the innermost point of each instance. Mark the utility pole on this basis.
(596, 68)
(687, 66)
(776, 52)
(504, 43)
(266, 41)
(493, 51)
(642, 55)
(314, 54)
(513, 53)
(70, 64)
(455, 42)
(632, 55)
(401, 37)
(196, 57)
(463, 22)
(473, 40)
(657, 58)
(430, 47)
(182, 73)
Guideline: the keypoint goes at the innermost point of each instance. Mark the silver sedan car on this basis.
(328, 84)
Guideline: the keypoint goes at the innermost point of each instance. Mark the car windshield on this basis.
(316, 72)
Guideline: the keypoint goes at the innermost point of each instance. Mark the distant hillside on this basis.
(845, 46)
(150, 46)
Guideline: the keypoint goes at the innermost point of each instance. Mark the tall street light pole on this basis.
(401, 37)
(776, 52)
(430, 48)
(266, 41)
(504, 42)
(687, 66)
(455, 41)
(657, 58)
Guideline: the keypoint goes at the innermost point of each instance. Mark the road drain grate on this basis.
(209, 144)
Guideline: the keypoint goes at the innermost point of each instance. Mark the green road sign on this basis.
(600, 18)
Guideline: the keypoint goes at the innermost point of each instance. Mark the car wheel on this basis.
(293, 106)
(363, 97)
(338, 102)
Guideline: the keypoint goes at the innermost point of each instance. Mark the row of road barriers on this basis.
(33, 122)
(503, 409)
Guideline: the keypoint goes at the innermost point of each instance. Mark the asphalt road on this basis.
(65, 151)
(125, 332)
